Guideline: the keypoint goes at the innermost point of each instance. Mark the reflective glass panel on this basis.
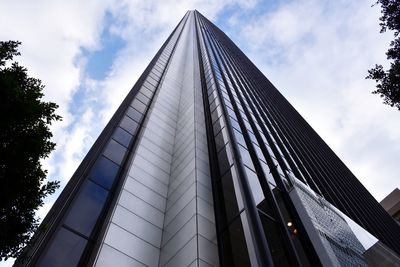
(104, 172)
(234, 245)
(122, 137)
(86, 208)
(64, 250)
(129, 125)
(134, 114)
(115, 151)
(231, 204)
(274, 238)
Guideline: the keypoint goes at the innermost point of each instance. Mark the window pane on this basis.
(268, 174)
(225, 159)
(245, 155)
(64, 250)
(122, 137)
(129, 125)
(239, 137)
(138, 105)
(234, 245)
(146, 92)
(134, 114)
(115, 151)
(86, 208)
(142, 98)
(234, 123)
(218, 125)
(230, 197)
(274, 239)
(255, 186)
(149, 86)
(220, 139)
(104, 172)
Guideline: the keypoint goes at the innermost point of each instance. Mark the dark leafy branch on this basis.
(24, 142)
(388, 81)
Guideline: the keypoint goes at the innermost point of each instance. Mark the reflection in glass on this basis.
(122, 137)
(129, 125)
(274, 238)
(134, 114)
(104, 172)
(64, 250)
(86, 208)
(115, 151)
(235, 252)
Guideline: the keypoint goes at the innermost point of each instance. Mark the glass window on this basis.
(122, 136)
(255, 186)
(144, 99)
(129, 125)
(208, 77)
(65, 250)
(104, 172)
(225, 95)
(134, 114)
(270, 152)
(228, 103)
(259, 153)
(217, 126)
(221, 139)
(225, 159)
(230, 196)
(149, 86)
(154, 75)
(86, 208)
(115, 151)
(235, 252)
(214, 104)
(267, 173)
(248, 126)
(157, 70)
(234, 123)
(216, 113)
(151, 80)
(210, 83)
(231, 112)
(146, 92)
(245, 155)
(239, 137)
(274, 239)
(138, 105)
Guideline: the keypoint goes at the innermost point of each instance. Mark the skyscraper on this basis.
(206, 163)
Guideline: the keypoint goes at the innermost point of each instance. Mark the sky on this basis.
(90, 53)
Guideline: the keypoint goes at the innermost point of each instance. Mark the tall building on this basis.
(205, 163)
(391, 203)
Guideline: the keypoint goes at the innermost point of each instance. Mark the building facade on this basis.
(205, 163)
(391, 203)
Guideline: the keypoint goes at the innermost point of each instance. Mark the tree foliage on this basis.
(388, 81)
(24, 142)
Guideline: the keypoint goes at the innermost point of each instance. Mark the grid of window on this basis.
(230, 110)
(273, 143)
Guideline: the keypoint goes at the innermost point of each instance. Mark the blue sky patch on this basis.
(99, 62)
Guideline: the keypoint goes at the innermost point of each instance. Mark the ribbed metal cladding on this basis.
(297, 147)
